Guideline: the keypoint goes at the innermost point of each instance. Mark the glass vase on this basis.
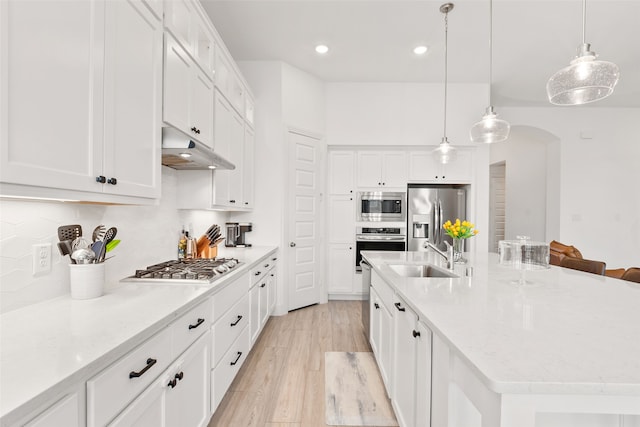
(458, 248)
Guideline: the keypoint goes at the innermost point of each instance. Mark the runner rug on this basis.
(354, 391)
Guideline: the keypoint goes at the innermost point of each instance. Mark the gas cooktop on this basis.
(198, 270)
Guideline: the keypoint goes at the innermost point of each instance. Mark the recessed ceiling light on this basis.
(322, 49)
(420, 50)
(212, 167)
(185, 155)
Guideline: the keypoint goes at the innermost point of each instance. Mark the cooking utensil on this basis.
(69, 232)
(97, 247)
(111, 245)
(65, 249)
(79, 243)
(216, 242)
(98, 232)
(83, 256)
(109, 235)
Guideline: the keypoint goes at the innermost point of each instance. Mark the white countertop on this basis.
(50, 346)
(568, 332)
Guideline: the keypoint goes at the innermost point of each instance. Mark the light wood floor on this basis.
(281, 384)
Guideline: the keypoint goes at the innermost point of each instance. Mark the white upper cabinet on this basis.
(185, 21)
(132, 100)
(228, 82)
(382, 169)
(188, 94)
(68, 114)
(341, 172)
(248, 169)
(424, 168)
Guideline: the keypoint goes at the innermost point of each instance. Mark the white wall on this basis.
(525, 156)
(401, 113)
(149, 235)
(598, 178)
(285, 97)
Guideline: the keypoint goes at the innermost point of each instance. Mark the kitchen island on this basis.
(52, 349)
(562, 350)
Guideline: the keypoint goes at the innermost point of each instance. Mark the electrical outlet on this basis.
(41, 258)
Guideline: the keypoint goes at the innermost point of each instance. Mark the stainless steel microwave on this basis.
(381, 206)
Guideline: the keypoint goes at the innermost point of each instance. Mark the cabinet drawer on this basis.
(385, 292)
(228, 367)
(259, 271)
(228, 328)
(111, 390)
(227, 297)
(190, 326)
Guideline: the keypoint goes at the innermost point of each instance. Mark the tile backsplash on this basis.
(148, 234)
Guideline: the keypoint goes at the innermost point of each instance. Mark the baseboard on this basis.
(348, 297)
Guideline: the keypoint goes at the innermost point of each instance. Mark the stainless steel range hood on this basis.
(181, 152)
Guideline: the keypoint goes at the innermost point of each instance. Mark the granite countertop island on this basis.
(48, 346)
(566, 333)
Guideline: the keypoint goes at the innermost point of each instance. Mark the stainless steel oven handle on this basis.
(365, 238)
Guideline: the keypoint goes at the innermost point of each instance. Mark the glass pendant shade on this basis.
(490, 129)
(584, 80)
(445, 153)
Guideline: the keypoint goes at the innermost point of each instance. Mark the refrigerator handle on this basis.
(440, 238)
(436, 225)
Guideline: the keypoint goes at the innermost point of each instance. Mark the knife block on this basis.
(208, 252)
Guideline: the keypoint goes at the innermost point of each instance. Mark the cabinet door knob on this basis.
(101, 179)
(112, 181)
(194, 129)
(376, 305)
(292, 244)
(232, 201)
(415, 333)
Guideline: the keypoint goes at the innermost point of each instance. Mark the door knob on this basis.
(292, 244)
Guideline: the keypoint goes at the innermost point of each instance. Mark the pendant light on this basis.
(445, 153)
(585, 79)
(490, 129)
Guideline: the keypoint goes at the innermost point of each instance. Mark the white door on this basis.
(305, 220)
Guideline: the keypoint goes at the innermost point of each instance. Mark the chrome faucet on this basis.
(448, 256)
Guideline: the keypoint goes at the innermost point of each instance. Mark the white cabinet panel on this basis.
(179, 19)
(341, 219)
(187, 403)
(52, 115)
(132, 100)
(424, 168)
(341, 267)
(188, 94)
(423, 375)
(62, 413)
(404, 364)
(248, 169)
(382, 169)
(341, 172)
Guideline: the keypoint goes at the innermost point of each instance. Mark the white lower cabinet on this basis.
(423, 375)
(262, 284)
(179, 397)
(63, 413)
(404, 367)
(223, 374)
(178, 352)
(341, 265)
(401, 345)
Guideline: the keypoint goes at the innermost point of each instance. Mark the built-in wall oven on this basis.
(378, 239)
(382, 206)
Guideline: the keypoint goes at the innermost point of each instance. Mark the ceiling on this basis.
(372, 41)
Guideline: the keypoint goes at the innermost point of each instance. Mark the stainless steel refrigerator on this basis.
(428, 207)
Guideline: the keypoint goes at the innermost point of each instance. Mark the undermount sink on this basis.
(420, 270)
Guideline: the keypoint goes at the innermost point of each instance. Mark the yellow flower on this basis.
(460, 229)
